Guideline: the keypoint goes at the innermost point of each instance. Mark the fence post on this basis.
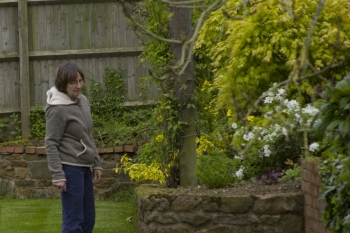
(24, 66)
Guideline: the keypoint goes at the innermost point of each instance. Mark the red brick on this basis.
(316, 179)
(10, 149)
(318, 204)
(307, 165)
(321, 228)
(40, 150)
(130, 148)
(311, 213)
(19, 149)
(306, 175)
(118, 149)
(308, 200)
(2, 149)
(310, 223)
(31, 150)
(309, 188)
(105, 150)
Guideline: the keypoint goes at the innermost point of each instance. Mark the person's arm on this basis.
(97, 168)
(55, 126)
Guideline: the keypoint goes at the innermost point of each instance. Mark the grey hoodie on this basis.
(68, 137)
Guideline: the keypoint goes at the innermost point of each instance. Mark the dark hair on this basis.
(66, 73)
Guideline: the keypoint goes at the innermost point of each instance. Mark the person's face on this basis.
(74, 88)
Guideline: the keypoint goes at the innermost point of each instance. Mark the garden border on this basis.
(5, 150)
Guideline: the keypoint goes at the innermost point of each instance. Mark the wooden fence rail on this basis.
(36, 36)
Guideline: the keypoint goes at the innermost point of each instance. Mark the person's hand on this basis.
(97, 173)
(61, 185)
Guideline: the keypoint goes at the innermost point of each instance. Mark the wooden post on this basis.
(24, 66)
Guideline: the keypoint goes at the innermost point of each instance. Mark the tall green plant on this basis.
(106, 99)
(333, 126)
(37, 122)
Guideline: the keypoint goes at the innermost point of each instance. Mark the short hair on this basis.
(66, 73)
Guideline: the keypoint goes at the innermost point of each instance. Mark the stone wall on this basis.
(24, 172)
(310, 184)
(160, 211)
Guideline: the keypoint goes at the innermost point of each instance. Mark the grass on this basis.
(44, 216)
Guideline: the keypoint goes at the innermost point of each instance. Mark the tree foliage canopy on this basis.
(254, 45)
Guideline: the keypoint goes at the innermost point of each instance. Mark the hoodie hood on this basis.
(55, 97)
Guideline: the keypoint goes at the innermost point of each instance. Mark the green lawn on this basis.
(44, 216)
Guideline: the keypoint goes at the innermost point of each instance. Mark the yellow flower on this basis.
(250, 118)
(229, 113)
(160, 138)
(160, 118)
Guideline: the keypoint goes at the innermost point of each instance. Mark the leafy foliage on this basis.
(140, 171)
(292, 173)
(163, 147)
(215, 170)
(333, 126)
(106, 100)
(263, 46)
(37, 122)
(114, 123)
(153, 16)
(10, 128)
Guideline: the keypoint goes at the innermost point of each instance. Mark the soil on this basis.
(256, 188)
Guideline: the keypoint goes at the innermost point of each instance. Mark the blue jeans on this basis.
(78, 204)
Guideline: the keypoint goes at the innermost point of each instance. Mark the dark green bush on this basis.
(215, 170)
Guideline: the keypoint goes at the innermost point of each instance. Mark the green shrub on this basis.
(215, 170)
(333, 127)
(114, 123)
(10, 128)
(37, 122)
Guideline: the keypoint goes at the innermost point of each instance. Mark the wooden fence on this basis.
(38, 35)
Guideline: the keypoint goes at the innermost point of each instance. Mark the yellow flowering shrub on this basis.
(160, 138)
(205, 146)
(140, 171)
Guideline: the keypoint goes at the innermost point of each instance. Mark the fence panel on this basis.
(93, 34)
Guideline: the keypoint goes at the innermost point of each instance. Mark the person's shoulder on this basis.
(83, 98)
(55, 109)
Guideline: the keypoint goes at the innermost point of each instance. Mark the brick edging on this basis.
(313, 206)
(41, 149)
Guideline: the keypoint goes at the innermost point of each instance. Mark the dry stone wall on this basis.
(24, 173)
(161, 212)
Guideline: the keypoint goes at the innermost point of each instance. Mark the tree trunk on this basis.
(184, 84)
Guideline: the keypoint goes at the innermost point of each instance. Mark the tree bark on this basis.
(184, 85)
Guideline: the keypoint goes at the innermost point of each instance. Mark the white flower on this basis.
(297, 117)
(280, 94)
(284, 131)
(234, 125)
(268, 114)
(239, 173)
(278, 108)
(292, 105)
(267, 151)
(314, 147)
(268, 100)
(310, 110)
(248, 136)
